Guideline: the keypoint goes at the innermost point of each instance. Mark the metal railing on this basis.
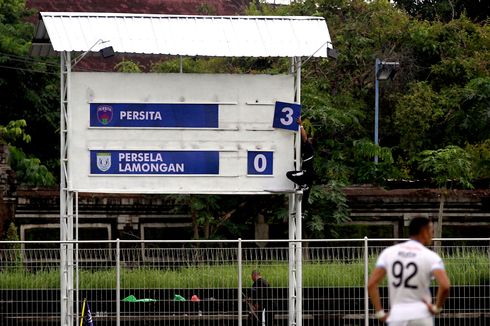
(146, 282)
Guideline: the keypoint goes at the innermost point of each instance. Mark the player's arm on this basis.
(304, 136)
(442, 291)
(373, 288)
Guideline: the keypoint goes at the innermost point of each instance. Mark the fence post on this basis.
(366, 277)
(77, 275)
(240, 285)
(291, 264)
(118, 283)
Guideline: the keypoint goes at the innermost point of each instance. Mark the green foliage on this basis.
(480, 159)
(445, 10)
(366, 149)
(215, 217)
(14, 131)
(260, 8)
(15, 33)
(440, 97)
(447, 165)
(366, 170)
(220, 65)
(12, 235)
(29, 170)
(418, 115)
(29, 86)
(463, 268)
(206, 9)
(328, 207)
(14, 248)
(127, 66)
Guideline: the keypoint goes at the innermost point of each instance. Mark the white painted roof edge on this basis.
(190, 35)
(106, 14)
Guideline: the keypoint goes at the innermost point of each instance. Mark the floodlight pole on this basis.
(376, 105)
(383, 70)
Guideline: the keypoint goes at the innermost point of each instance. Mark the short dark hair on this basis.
(417, 224)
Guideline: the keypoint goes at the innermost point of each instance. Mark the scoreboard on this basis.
(180, 133)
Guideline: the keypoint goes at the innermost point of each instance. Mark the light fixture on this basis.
(332, 53)
(106, 51)
(383, 70)
(387, 69)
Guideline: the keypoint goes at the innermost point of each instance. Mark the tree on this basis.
(15, 255)
(480, 159)
(214, 216)
(446, 9)
(447, 166)
(29, 87)
(29, 170)
(329, 207)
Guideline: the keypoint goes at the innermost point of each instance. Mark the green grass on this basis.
(465, 268)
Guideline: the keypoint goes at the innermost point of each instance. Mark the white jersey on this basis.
(409, 267)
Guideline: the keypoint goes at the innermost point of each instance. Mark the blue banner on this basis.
(154, 162)
(178, 115)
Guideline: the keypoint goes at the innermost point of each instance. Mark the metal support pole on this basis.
(366, 276)
(77, 279)
(62, 186)
(376, 105)
(118, 283)
(295, 230)
(240, 285)
(66, 200)
(299, 261)
(298, 215)
(292, 265)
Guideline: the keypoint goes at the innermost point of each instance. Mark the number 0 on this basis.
(260, 163)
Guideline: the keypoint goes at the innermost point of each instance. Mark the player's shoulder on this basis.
(394, 247)
(410, 246)
(390, 251)
(431, 254)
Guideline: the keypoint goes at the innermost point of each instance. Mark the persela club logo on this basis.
(104, 114)
(104, 161)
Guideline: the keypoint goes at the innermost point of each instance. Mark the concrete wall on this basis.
(128, 216)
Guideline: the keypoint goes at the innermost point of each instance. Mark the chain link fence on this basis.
(209, 283)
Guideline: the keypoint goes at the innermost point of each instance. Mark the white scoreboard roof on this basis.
(221, 36)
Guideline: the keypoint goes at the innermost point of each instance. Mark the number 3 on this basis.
(288, 119)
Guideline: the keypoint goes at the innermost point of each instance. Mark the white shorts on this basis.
(417, 322)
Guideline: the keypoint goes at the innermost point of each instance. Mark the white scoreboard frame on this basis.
(245, 117)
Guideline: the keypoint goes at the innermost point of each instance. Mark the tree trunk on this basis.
(195, 227)
(438, 230)
(207, 226)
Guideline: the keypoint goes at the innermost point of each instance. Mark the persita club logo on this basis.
(104, 114)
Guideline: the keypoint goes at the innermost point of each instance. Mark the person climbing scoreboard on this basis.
(181, 133)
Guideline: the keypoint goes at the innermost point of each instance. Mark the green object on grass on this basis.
(179, 298)
(132, 298)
